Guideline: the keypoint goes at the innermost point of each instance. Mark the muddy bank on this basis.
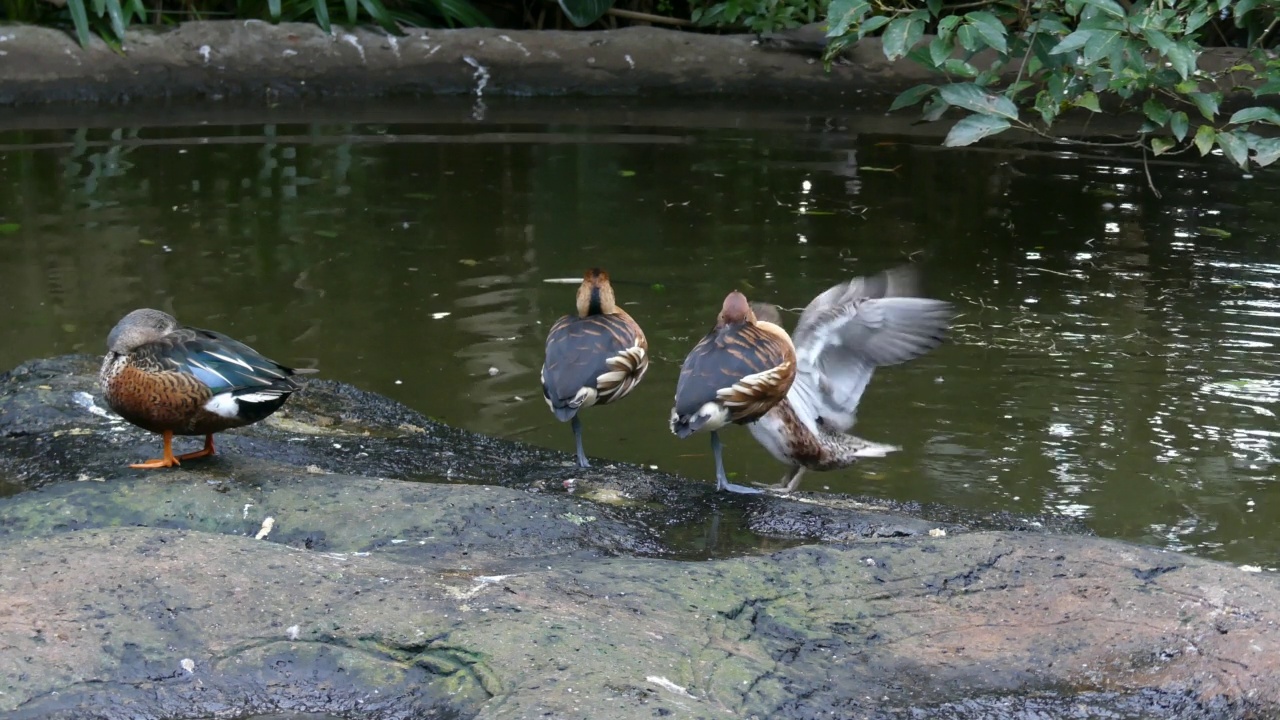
(413, 570)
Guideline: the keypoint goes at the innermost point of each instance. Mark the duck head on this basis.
(139, 328)
(595, 294)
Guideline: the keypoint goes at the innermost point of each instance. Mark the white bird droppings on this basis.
(265, 530)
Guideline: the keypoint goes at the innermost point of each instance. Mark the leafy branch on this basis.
(1022, 65)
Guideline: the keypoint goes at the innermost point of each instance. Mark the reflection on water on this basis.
(1115, 359)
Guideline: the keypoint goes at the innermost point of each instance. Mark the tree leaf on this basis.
(956, 66)
(872, 25)
(1178, 123)
(947, 25)
(1235, 148)
(1207, 103)
(940, 49)
(1158, 40)
(273, 8)
(901, 35)
(1266, 151)
(1183, 59)
(969, 38)
(1110, 7)
(1205, 136)
(1156, 111)
(844, 14)
(1241, 9)
(1088, 101)
(584, 12)
(1047, 107)
(1255, 114)
(910, 97)
(1270, 87)
(991, 29)
(973, 128)
(1196, 20)
(1072, 42)
(1100, 44)
(1161, 145)
(934, 109)
(971, 97)
(353, 11)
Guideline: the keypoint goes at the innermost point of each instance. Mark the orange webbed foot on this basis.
(167, 461)
(157, 463)
(205, 452)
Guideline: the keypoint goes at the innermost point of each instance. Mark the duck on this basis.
(595, 356)
(843, 335)
(171, 379)
(735, 374)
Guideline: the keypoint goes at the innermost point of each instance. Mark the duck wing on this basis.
(852, 329)
(221, 363)
(592, 360)
(742, 369)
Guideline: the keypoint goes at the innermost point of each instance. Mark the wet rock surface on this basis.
(411, 570)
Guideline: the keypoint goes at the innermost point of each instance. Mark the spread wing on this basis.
(842, 340)
(221, 363)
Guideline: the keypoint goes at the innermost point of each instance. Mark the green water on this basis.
(1115, 360)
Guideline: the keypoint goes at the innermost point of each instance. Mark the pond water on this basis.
(1115, 359)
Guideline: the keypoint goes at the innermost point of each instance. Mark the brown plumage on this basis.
(735, 374)
(594, 357)
(177, 380)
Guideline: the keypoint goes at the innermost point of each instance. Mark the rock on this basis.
(413, 570)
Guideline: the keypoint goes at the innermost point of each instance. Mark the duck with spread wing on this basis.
(843, 335)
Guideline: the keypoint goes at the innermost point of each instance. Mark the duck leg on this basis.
(791, 480)
(167, 461)
(208, 449)
(722, 481)
(577, 440)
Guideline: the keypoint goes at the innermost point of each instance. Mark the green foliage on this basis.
(757, 15)
(584, 12)
(1021, 65)
(110, 18)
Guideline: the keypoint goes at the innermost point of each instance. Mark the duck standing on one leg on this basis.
(843, 336)
(177, 380)
(735, 374)
(594, 357)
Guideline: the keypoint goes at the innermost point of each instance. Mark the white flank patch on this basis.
(224, 405)
(259, 397)
(585, 397)
(717, 415)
